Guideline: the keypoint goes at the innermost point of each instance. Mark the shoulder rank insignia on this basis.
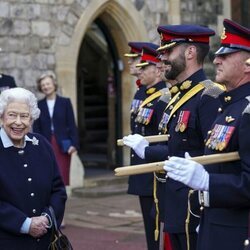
(229, 119)
(213, 89)
(247, 108)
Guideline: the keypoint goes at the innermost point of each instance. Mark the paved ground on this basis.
(105, 221)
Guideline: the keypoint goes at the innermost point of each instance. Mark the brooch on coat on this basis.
(35, 141)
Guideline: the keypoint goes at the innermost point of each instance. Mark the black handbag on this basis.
(59, 241)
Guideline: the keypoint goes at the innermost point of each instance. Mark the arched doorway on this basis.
(98, 102)
(123, 24)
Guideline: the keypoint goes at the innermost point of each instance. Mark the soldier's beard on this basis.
(177, 66)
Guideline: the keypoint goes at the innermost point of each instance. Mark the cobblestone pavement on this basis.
(110, 222)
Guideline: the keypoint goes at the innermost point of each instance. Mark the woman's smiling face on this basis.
(16, 121)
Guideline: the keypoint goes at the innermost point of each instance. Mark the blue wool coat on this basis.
(63, 121)
(30, 182)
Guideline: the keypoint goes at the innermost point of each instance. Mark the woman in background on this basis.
(57, 123)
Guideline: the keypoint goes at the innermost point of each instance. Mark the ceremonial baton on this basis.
(158, 166)
(151, 138)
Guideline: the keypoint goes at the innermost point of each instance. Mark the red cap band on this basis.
(230, 38)
(149, 58)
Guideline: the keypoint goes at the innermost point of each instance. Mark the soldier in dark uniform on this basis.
(6, 81)
(247, 241)
(224, 187)
(134, 57)
(185, 119)
(146, 124)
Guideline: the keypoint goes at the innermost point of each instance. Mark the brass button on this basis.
(32, 194)
(34, 211)
(29, 179)
(25, 165)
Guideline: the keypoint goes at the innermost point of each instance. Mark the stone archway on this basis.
(124, 24)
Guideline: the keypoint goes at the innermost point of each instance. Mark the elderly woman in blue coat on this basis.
(29, 177)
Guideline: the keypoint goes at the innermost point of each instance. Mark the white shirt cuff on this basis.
(25, 226)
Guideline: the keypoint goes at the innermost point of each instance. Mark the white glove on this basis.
(188, 172)
(137, 142)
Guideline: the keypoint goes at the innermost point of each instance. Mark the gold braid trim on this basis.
(157, 210)
(188, 219)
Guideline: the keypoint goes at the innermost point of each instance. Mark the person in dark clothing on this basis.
(224, 187)
(29, 176)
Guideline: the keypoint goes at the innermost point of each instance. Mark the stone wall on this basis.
(30, 30)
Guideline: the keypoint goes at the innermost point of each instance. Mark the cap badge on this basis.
(223, 34)
(161, 36)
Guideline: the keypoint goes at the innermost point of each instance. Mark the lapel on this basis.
(57, 107)
(44, 108)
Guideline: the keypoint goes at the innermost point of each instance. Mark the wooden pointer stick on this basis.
(151, 138)
(158, 166)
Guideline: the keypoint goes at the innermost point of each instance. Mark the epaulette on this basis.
(165, 96)
(247, 108)
(212, 89)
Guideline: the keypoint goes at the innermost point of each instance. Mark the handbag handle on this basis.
(53, 218)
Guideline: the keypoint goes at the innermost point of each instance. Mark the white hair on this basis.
(19, 94)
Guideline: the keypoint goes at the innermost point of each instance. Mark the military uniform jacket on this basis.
(145, 124)
(229, 183)
(187, 127)
(30, 182)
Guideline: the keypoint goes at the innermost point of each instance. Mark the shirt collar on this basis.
(7, 141)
